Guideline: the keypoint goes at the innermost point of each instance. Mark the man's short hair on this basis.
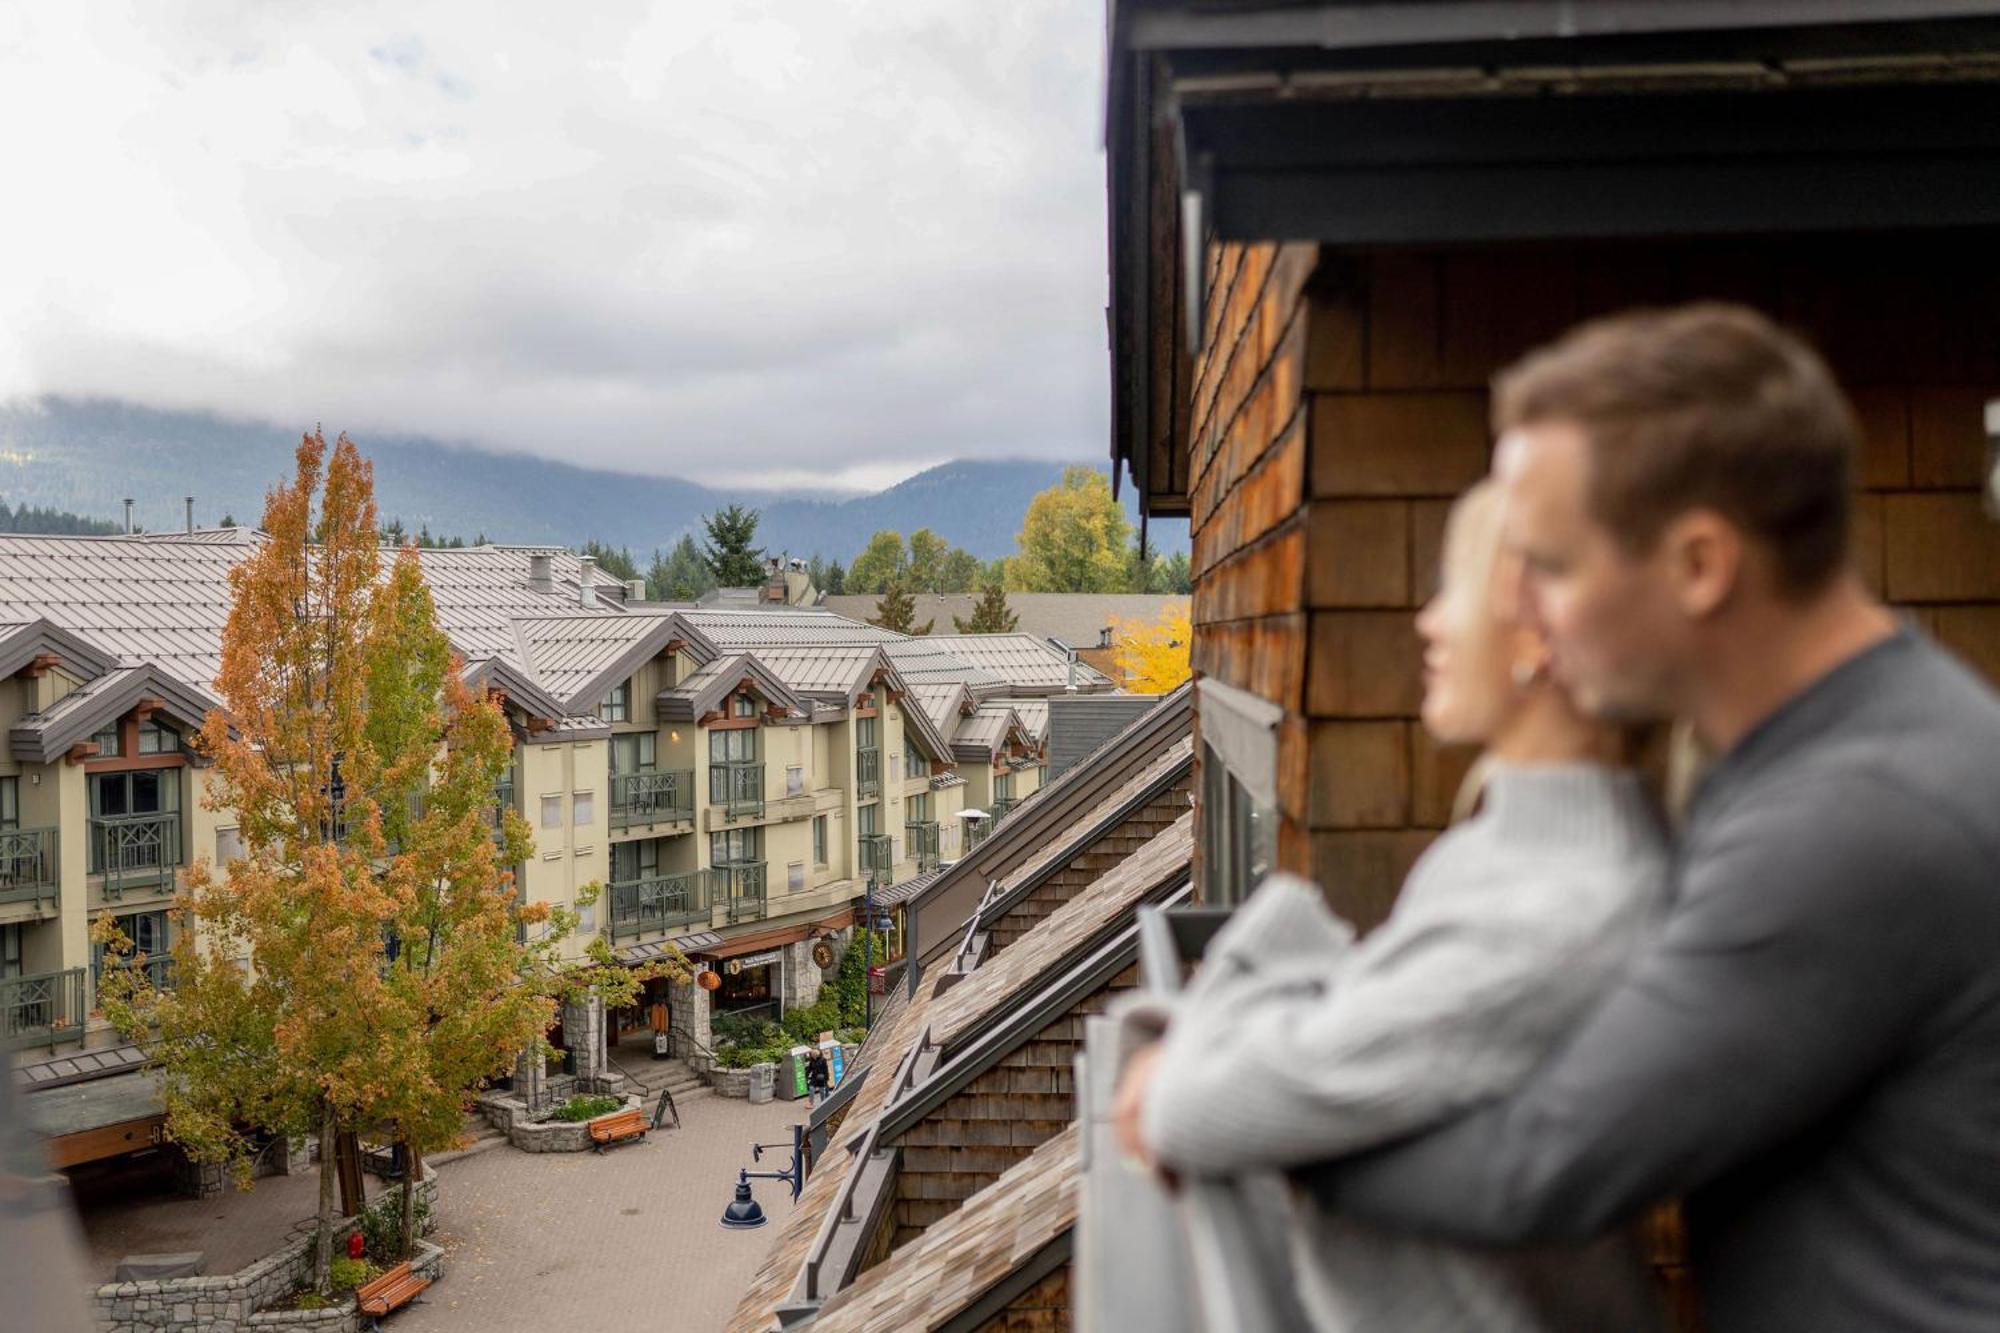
(1704, 406)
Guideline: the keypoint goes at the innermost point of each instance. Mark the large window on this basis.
(107, 742)
(743, 706)
(617, 705)
(635, 860)
(10, 951)
(865, 820)
(148, 933)
(135, 822)
(634, 752)
(734, 745)
(864, 732)
(1238, 833)
(914, 763)
(737, 846)
(156, 739)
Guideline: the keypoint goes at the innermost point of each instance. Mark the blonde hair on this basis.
(1472, 543)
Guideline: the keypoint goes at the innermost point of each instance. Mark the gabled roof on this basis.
(21, 644)
(988, 730)
(1029, 665)
(966, 1266)
(45, 736)
(581, 658)
(513, 680)
(941, 702)
(1034, 715)
(715, 681)
(735, 629)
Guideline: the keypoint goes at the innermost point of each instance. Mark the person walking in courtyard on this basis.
(817, 1076)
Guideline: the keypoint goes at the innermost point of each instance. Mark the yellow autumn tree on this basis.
(1154, 655)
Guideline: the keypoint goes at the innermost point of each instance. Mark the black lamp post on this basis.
(868, 949)
(743, 1214)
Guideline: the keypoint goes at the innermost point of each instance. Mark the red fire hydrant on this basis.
(354, 1244)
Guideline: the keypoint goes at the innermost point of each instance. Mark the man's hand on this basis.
(1130, 1103)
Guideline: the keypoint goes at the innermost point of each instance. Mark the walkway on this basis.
(631, 1239)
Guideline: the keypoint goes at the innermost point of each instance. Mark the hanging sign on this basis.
(707, 979)
(822, 954)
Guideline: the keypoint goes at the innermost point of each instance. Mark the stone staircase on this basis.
(646, 1076)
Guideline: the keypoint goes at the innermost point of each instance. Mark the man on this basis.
(1809, 1052)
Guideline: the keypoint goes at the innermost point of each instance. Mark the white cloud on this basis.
(760, 238)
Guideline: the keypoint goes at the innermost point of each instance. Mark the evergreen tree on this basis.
(731, 558)
(990, 614)
(617, 563)
(680, 575)
(898, 611)
(816, 571)
(393, 533)
(229, 520)
(836, 578)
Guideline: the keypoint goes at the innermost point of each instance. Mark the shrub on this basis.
(308, 1300)
(346, 1274)
(586, 1108)
(382, 1225)
(803, 1026)
(742, 1057)
(744, 1030)
(851, 986)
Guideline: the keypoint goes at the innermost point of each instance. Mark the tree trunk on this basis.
(413, 1171)
(329, 1168)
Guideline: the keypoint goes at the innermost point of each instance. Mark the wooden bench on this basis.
(618, 1127)
(392, 1291)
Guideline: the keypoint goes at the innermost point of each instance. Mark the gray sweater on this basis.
(1295, 1043)
(1809, 1051)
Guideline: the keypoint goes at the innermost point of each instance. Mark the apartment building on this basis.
(734, 782)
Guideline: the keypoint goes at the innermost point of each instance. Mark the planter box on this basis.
(510, 1116)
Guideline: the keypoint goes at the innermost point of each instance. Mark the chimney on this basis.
(128, 516)
(541, 572)
(190, 515)
(584, 579)
(635, 590)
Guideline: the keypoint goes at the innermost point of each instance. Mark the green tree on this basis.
(681, 575)
(882, 563)
(961, 571)
(897, 611)
(732, 559)
(617, 563)
(836, 578)
(1073, 539)
(989, 614)
(927, 557)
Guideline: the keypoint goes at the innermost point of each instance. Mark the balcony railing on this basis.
(503, 801)
(878, 858)
(28, 866)
(922, 840)
(652, 798)
(43, 1007)
(1001, 807)
(740, 884)
(868, 770)
(737, 788)
(1215, 1257)
(657, 902)
(135, 851)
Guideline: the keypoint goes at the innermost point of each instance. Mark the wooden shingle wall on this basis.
(1340, 403)
(997, 1119)
(1042, 1308)
(1083, 870)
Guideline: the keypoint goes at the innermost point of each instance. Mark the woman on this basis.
(1295, 1043)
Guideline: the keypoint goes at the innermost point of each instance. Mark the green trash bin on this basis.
(792, 1074)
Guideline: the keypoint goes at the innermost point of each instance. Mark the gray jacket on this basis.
(1294, 1042)
(1809, 1051)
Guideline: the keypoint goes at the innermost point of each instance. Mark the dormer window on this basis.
(617, 705)
(156, 739)
(107, 742)
(743, 706)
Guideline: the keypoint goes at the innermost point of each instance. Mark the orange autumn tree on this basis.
(1154, 655)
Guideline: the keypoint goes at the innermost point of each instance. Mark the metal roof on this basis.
(42, 737)
(1025, 662)
(1077, 618)
(736, 629)
(581, 658)
(714, 681)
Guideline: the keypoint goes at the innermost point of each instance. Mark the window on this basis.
(1237, 832)
(819, 840)
(617, 705)
(865, 819)
(737, 745)
(10, 803)
(10, 951)
(107, 741)
(795, 780)
(156, 739)
(585, 812)
(920, 809)
(737, 846)
(552, 812)
(864, 732)
(228, 846)
(635, 860)
(148, 933)
(635, 752)
(743, 706)
(914, 762)
(795, 876)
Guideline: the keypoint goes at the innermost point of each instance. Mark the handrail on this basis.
(28, 865)
(632, 913)
(43, 1006)
(135, 850)
(737, 786)
(651, 795)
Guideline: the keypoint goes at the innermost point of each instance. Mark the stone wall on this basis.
(688, 1011)
(510, 1116)
(232, 1302)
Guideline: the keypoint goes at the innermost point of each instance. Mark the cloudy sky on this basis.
(735, 241)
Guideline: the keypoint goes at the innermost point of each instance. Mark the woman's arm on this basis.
(1451, 1003)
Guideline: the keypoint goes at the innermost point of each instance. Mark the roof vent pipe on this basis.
(1069, 654)
(190, 515)
(635, 590)
(541, 572)
(584, 579)
(128, 516)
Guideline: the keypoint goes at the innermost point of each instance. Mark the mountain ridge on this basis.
(86, 455)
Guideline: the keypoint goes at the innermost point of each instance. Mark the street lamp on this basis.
(743, 1214)
(868, 948)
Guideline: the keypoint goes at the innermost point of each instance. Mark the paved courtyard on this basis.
(630, 1239)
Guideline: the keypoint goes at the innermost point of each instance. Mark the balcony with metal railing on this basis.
(921, 838)
(656, 797)
(503, 801)
(740, 885)
(135, 853)
(658, 902)
(1001, 807)
(868, 770)
(28, 872)
(1213, 1257)
(737, 789)
(43, 1008)
(878, 858)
